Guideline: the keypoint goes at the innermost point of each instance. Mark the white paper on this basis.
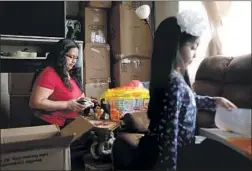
(236, 120)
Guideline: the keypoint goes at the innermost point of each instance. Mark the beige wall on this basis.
(164, 9)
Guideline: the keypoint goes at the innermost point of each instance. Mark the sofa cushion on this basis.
(209, 88)
(229, 77)
(205, 119)
(213, 68)
(239, 71)
(238, 81)
(137, 122)
(240, 95)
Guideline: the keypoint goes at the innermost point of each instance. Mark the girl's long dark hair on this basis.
(57, 60)
(168, 40)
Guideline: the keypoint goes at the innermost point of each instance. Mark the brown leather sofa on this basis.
(229, 77)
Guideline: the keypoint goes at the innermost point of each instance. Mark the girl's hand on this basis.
(225, 103)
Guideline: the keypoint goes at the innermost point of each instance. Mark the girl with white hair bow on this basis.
(173, 105)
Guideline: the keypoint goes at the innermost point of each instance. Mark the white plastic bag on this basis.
(236, 120)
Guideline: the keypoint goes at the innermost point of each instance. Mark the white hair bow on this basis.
(191, 22)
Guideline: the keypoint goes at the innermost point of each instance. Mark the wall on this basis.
(201, 52)
(164, 9)
(72, 8)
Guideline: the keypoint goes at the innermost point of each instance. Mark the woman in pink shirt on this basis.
(57, 86)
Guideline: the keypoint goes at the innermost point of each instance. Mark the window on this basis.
(205, 39)
(235, 35)
(236, 31)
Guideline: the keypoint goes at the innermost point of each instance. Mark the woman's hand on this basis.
(73, 105)
(225, 103)
(94, 100)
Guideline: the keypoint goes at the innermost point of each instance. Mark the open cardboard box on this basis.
(35, 148)
(82, 125)
(41, 147)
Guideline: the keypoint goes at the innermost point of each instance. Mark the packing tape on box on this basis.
(120, 57)
(97, 84)
(134, 62)
(96, 27)
(132, 5)
(101, 81)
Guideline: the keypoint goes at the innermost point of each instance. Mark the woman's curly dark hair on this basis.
(57, 60)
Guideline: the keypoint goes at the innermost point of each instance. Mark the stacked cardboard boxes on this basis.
(15, 94)
(131, 44)
(100, 4)
(96, 51)
(96, 69)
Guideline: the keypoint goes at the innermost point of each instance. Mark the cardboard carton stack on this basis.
(15, 96)
(96, 51)
(131, 44)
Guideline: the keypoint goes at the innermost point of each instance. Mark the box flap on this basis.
(77, 128)
(54, 142)
(13, 135)
(103, 124)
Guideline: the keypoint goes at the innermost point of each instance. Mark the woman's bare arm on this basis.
(39, 100)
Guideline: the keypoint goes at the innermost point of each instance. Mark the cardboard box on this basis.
(82, 125)
(40, 147)
(95, 25)
(129, 35)
(20, 112)
(33, 148)
(134, 4)
(100, 4)
(78, 127)
(20, 83)
(95, 89)
(96, 63)
(131, 69)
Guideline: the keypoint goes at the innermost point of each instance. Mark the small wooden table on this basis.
(104, 124)
(235, 141)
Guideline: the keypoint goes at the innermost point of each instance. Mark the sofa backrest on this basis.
(229, 77)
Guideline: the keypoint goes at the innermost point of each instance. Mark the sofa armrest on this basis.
(205, 119)
(136, 122)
